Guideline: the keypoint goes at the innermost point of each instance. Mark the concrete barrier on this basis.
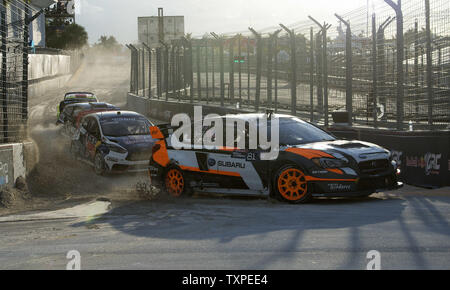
(12, 163)
(42, 66)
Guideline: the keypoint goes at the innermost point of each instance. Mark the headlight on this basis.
(117, 149)
(330, 163)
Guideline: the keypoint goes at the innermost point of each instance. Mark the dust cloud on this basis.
(56, 173)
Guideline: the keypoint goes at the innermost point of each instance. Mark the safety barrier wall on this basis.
(424, 156)
(43, 66)
(12, 163)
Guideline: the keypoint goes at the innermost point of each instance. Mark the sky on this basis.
(119, 17)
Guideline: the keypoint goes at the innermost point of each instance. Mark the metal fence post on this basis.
(149, 69)
(258, 68)
(158, 73)
(319, 69)
(191, 72)
(213, 77)
(221, 63)
(275, 44)
(199, 76)
(400, 57)
(429, 64)
(240, 69)
(207, 71)
(293, 70)
(381, 60)
(416, 67)
(270, 68)
(348, 70)
(165, 69)
(231, 75)
(324, 29)
(143, 72)
(4, 94)
(25, 64)
(173, 81)
(135, 68)
(374, 72)
(311, 74)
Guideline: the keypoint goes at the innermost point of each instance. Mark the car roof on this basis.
(251, 117)
(81, 93)
(110, 114)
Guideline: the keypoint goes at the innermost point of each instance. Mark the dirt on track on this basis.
(56, 175)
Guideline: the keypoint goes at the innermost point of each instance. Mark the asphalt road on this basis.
(409, 231)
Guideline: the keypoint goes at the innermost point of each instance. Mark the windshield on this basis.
(296, 132)
(125, 126)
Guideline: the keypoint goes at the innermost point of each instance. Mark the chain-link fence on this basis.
(14, 17)
(312, 69)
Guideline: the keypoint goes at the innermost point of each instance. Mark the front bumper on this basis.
(118, 164)
(362, 187)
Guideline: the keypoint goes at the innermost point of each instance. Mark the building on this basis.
(148, 29)
(59, 15)
(37, 27)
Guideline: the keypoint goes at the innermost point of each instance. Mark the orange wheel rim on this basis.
(292, 184)
(175, 182)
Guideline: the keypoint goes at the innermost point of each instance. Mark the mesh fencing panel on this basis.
(14, 70)
(356, 63)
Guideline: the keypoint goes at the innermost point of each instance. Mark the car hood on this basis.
(358, 150)
(133, 143)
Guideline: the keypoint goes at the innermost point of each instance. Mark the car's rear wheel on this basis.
(99, 164)
(175, 182)
(291, 185)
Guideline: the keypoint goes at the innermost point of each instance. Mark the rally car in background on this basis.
(76, 97)
(114, 141)
(72, 114)
(310, 163)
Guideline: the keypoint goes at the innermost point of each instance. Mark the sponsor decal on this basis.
(319, 172)
(397, 157)
(230, 164)
(432, 165)
(211, 162)
(339, 187)
(429, 163)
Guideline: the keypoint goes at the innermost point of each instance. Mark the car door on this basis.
(236, 165)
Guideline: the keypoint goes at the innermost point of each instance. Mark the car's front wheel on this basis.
(291, 185)
(99, 164)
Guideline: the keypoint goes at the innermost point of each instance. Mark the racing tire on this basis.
(99, 164)
(291, 185)
(175, 182)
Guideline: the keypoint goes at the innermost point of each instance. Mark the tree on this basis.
(72, 36)
(108, 43)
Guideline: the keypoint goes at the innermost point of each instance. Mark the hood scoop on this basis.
(352, 145)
